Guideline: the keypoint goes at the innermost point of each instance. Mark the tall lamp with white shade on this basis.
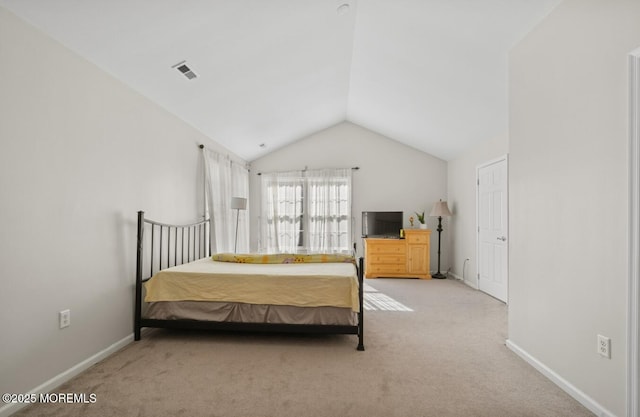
(439, 210)
(238, 203)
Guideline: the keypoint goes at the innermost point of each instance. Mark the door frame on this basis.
(633, 322)
(504, 158)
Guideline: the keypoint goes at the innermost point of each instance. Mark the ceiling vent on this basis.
(185, 70)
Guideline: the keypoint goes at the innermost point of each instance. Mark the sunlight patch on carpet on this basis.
(375, 300)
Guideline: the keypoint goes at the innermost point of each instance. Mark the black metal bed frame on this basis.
(193, 239)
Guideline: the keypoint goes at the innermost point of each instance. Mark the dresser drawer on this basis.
(417, 238)
(386, 269)
(376, 259)
(387, 248)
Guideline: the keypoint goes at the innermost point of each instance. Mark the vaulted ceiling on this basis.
(429, 73)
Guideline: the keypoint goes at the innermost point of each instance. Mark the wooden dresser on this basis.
(398, 258)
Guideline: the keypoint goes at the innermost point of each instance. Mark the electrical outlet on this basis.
(64, 318)
(604, 346)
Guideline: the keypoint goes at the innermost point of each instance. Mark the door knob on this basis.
(502, 238)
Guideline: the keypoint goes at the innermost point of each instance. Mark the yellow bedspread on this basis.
(303, 285)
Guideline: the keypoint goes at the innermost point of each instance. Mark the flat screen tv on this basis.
(381, 223)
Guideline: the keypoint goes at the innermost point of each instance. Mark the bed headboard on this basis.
(162, 245)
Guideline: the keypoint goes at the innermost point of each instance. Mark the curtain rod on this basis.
(305, 169)
(229, 157)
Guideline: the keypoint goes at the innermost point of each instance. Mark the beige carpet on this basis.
(445, 358)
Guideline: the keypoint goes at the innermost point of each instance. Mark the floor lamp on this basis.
(439, 210)
(238, 203)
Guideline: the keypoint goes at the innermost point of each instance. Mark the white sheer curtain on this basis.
(329, 210)
(306, 211)
(281, 212)
(225, 179)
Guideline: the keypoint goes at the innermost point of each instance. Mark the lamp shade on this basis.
(238, 203)
(440, 209)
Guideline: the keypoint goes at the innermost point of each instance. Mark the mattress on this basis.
(295, 285)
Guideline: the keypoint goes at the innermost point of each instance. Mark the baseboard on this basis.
(459, 278)
(65, 376)
(565, 385)
(471, 284)
(455, 276)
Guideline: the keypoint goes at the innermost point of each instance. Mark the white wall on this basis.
(392, 176)
(462, 203)
(80, 154)
(568, 193)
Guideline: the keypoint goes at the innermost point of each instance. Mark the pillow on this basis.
(283, 258)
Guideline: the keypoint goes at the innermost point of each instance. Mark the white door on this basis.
(493, 234)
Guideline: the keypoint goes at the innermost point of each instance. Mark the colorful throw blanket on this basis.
(282, 258)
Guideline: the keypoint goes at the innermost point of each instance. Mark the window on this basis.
(306, 211)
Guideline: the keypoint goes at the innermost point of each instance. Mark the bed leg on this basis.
(360, 341)
(361, 299)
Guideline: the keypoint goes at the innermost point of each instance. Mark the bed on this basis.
(180, 284)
